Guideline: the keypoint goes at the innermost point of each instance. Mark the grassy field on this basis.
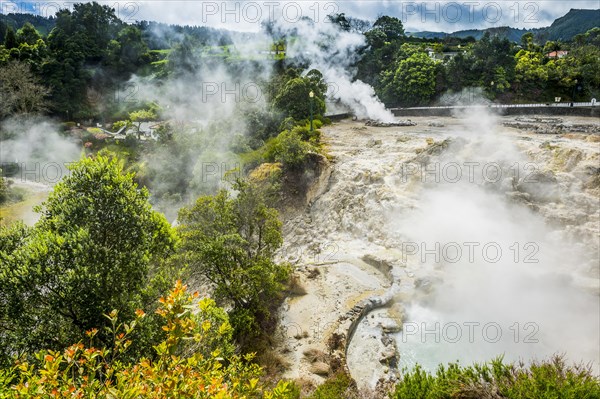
(22, 210)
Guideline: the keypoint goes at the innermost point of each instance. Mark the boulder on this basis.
(320, 368)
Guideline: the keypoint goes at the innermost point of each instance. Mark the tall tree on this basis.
(21, 91)
(414, 80)
(293, 99)
(28, 34)
(10, 39)
(92, 252)
(230, 243)
(391, 26)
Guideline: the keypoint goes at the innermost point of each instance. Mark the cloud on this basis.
(246, 15)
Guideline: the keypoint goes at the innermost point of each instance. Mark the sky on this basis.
(246, 15)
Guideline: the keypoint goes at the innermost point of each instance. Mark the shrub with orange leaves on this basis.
(194, 361)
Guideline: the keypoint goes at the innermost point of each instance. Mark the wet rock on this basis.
(518, 196)
(374, 123)
(592, 170)
(389, 326)
(320, 368)
(537, 119)
(593, 138)
(386, 340)
(383, 265)
(373, 143)
(551, 126)
(424, 284)
(435, 148)
(388, 357)
(436, 124)
(314, 355)
(540, 185)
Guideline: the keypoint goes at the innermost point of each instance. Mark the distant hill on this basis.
(157, 35)
(160, 35)
(573, 23)
(563, 28)
(16, 21)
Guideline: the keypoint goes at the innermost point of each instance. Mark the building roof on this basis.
(554, 54)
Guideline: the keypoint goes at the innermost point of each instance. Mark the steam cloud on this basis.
(36, 145)
(557, 295)
(333, 52)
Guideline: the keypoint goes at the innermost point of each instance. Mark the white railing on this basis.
(578, 104)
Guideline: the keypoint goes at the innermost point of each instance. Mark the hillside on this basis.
(573, 23)
(564, 28)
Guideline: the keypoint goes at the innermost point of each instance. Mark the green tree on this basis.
(183, 59)
(551, 46)
(95, 25)
(584, 62)
(391, 26)
(414, 80)
(96, 248)
(490, 53)
(28, 34)
(21, 91)
(64, 70)
(3, 28)
(126, 53)
(340, 20)
(530, 73)
(527, 42)
(10, 39)
(78, 44)
(289, 149)
(3, 189)
(293, 98)
(460, 68)
(230, 243)
(382, 53)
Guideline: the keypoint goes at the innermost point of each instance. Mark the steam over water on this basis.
(504, 283)
(493, 237)
(496, 278)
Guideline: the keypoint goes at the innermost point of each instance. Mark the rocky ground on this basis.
(348, 252)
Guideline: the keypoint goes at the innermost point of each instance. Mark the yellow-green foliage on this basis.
(84, 371)
(337, 386)
(547, 379)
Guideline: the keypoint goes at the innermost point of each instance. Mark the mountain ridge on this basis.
(564, 28)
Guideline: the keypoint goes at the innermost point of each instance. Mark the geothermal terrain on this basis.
(458, 239)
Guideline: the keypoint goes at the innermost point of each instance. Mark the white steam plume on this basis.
(333, 52)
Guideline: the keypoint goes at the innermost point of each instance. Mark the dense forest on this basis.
(85, 57)
(91, 298)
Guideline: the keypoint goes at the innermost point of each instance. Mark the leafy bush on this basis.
(68, 125)
(98, 246)
(294, 101)
(230, 244)
(313, 137)
(91, 372)
(4, 189)
(288, 148)
(547, 379)
(8, 193)
(338, 386)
